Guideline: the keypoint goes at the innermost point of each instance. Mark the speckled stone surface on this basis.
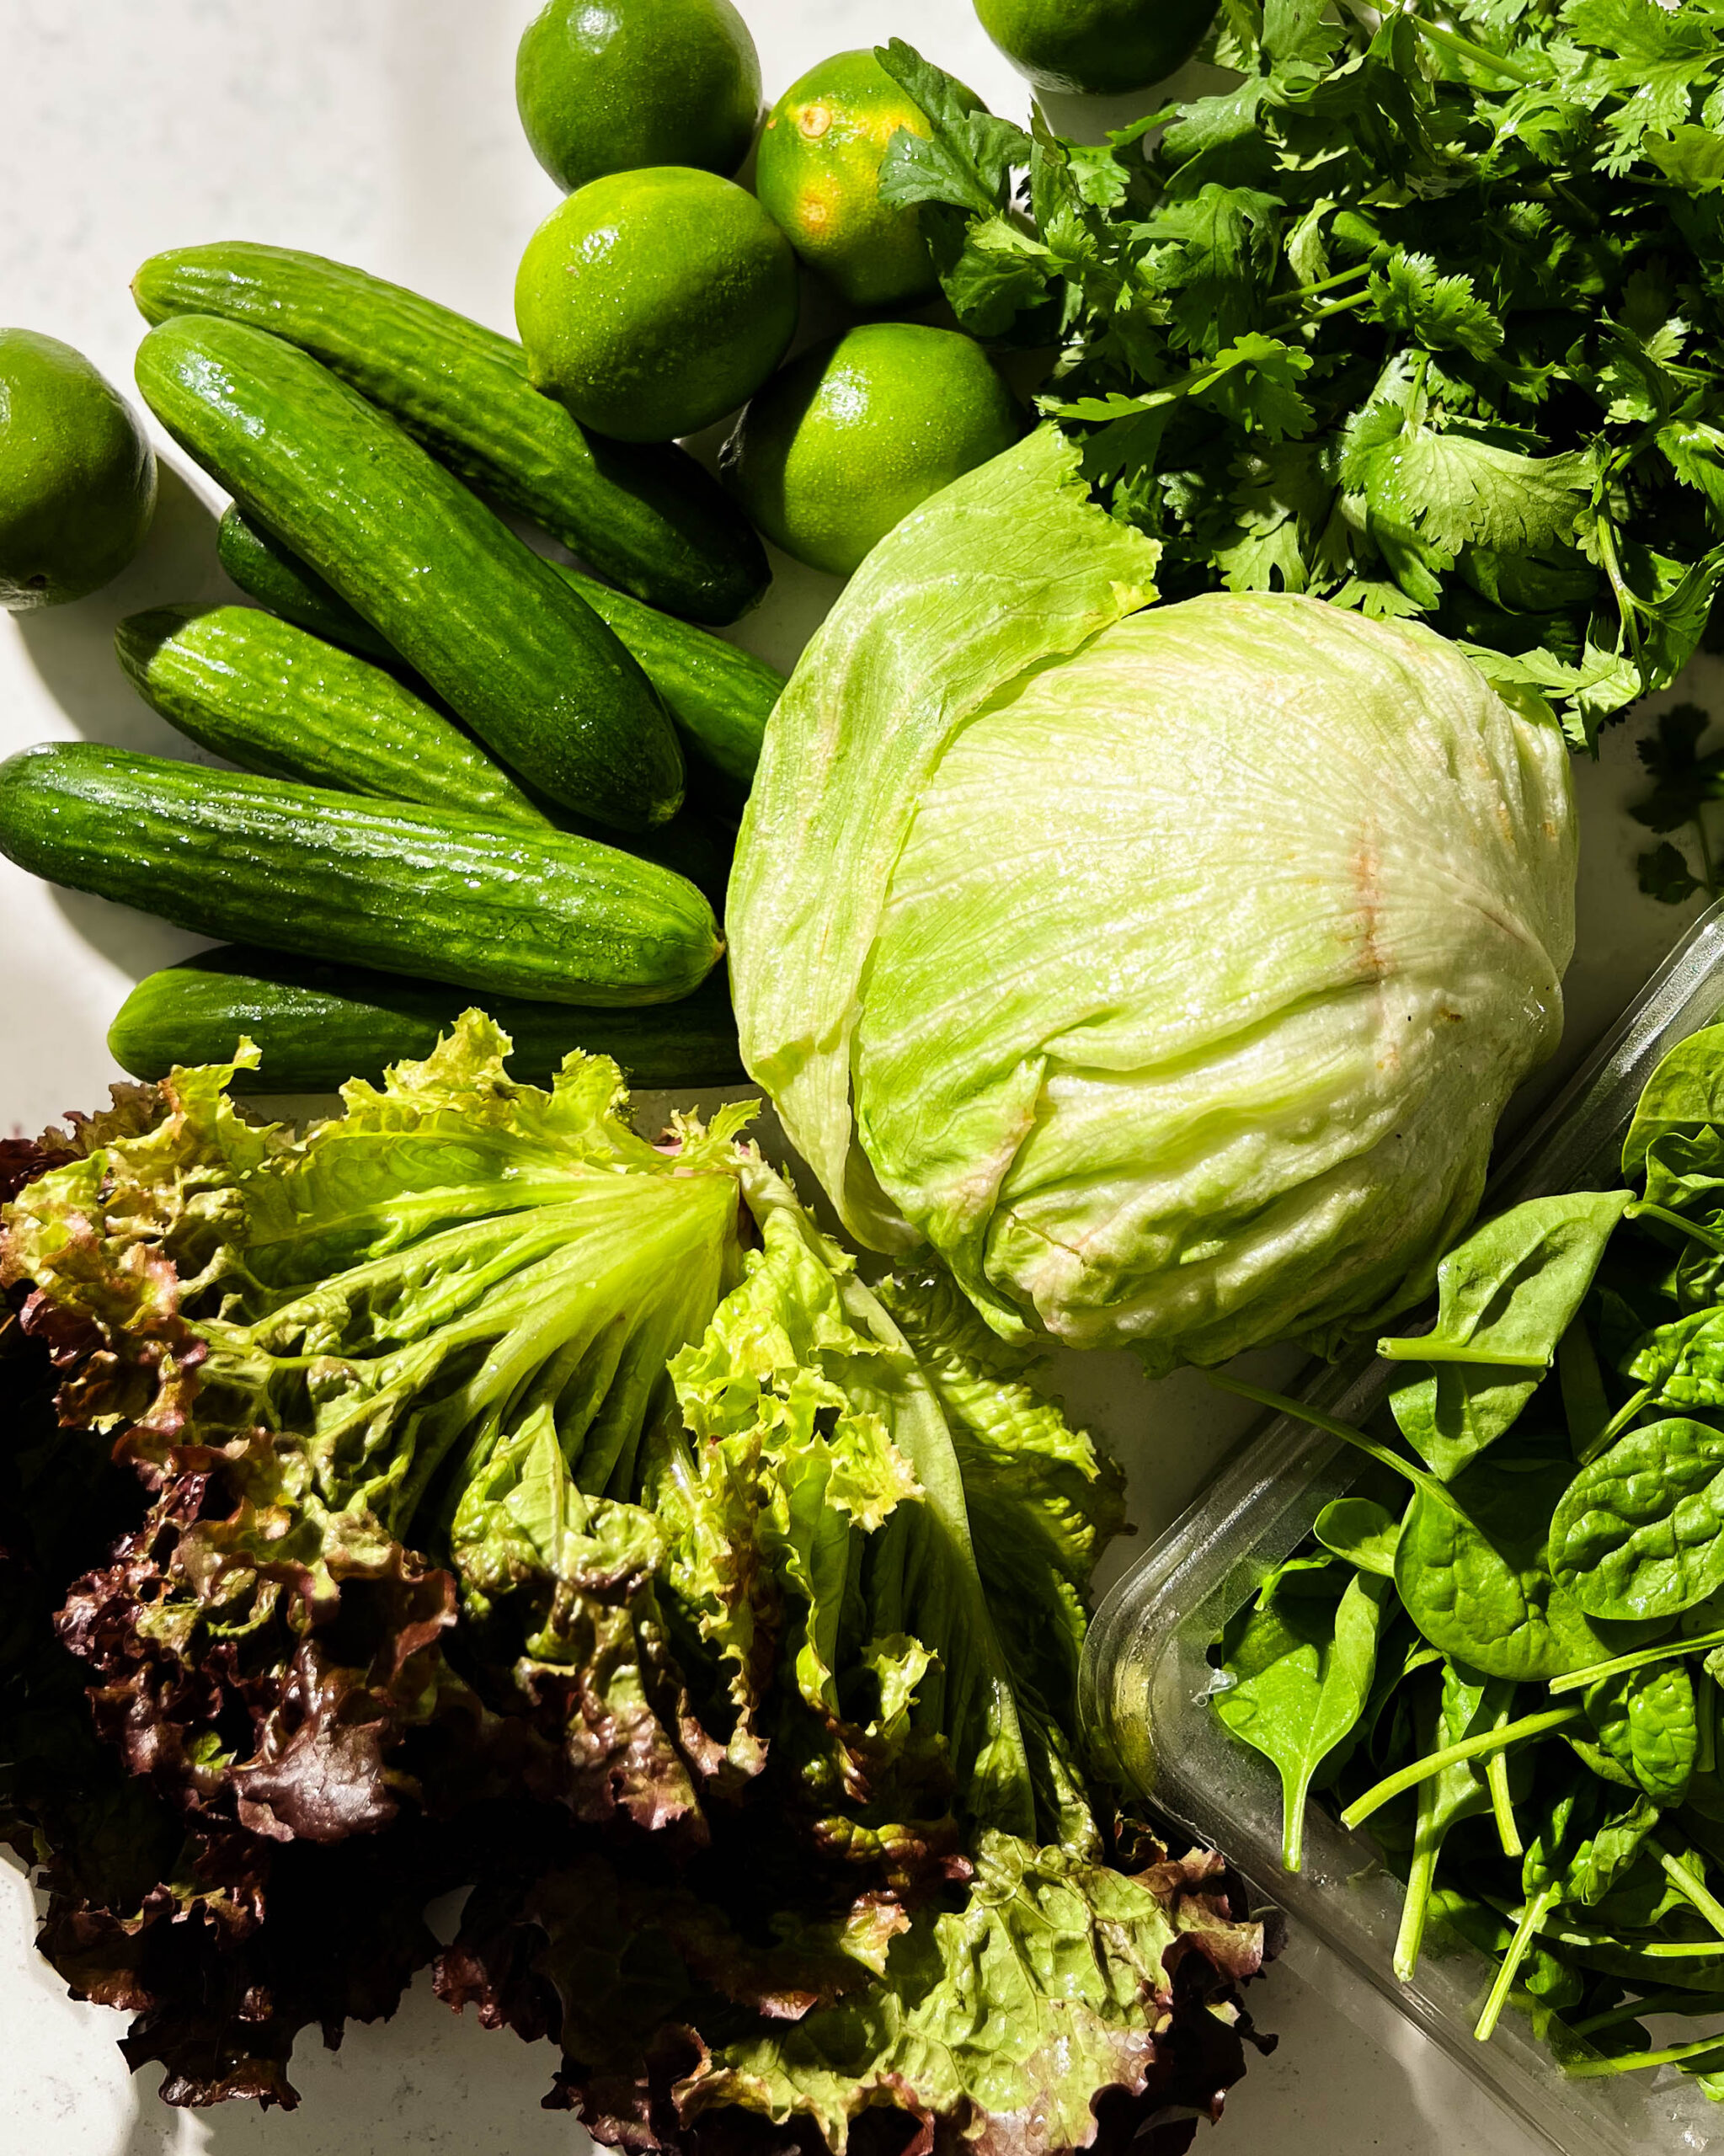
(383, 132)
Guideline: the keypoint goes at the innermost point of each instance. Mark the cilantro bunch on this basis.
(1422, 316)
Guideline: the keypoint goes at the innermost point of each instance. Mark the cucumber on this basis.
(719, 697)
(648, 518)
(319, 1024)
(275, 699)
(501, 909)
(493, 628)
(265, 570)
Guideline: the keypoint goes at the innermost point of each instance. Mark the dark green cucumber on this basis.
(498, 908)
(317, 1026)
(720, 698)
(273, 698)
(493, 628)
(648, 518)
(265, 570)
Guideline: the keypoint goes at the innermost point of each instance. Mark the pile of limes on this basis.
(661, 295)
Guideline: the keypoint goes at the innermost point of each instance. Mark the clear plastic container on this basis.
(1146, 1680)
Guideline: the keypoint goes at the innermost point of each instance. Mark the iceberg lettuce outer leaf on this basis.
(1166, 968)
(1010, 566)
(1210, 962)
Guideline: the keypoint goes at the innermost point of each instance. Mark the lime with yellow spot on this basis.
(851, 436)
(77, 478)
(651, 303)
(611, 85)
(818, 174)
(1097, 48)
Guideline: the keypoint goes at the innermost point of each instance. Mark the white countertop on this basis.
(383, 132)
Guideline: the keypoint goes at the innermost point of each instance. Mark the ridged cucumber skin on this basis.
(648, 518)
(276, 700)
(493, 628)
(266, 571)
(317, 1026)
(719, 698)
(497, 908)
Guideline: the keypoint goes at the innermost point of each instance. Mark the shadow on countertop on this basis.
(428, 2080)
(72, 647)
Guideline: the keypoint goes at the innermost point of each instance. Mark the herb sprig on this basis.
(1422, 317)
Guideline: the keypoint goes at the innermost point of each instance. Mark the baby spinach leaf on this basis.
(1647, 1722)
(1684, 1169)
(1507, 1294)
(1361, 1531)
(1639, 1532)
(1562, 1862)
(1451, 1416)
(1682, 1362)
(1684, 1095)
(1472, 1575)
(1302, 1672)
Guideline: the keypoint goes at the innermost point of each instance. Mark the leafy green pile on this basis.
(1422, 320)
(1517, 1673)
(468, 1493)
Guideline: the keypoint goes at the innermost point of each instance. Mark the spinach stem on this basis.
(1502, 1805)
(1617, 1424)
(1590, 2069)
(1469, 1747)
(1690, 1885)
(1575, 1680)
(1644, 1210)
(1653, 2002)
(1534, 1915)
(1284, 1404)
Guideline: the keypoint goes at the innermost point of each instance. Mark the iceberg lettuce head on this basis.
(1166, 968)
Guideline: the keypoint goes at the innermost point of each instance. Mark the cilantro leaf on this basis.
(1211, 256)
(1410, 293)
(966, 160)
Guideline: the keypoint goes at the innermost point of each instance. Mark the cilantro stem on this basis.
(1338, 307)
(1577, 1680)
(1463, 48)
(1626, 604)
(1322, 285)
(1452, 1755)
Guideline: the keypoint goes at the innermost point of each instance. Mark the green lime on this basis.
(609, 85)
(77, 479)
(819, 174)
(854, 435)
(1101, 48)
(652, 303)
